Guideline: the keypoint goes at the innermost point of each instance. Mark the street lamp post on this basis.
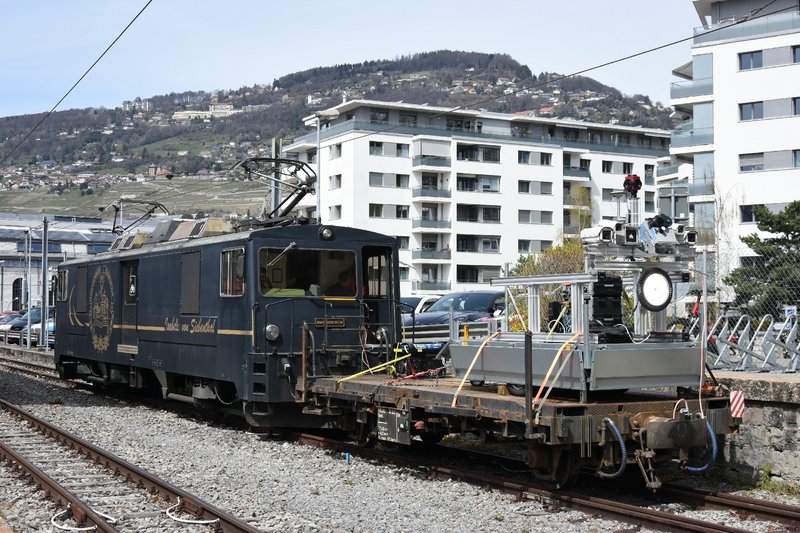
(2, 284)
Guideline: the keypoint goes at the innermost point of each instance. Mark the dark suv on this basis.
(467, 307)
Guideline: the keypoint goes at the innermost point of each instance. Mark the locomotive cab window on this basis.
(60, 281)
(130, 279)
(289, 272)
(231, 272)
(377, 272)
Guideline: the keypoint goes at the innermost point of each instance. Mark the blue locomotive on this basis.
(235, 319)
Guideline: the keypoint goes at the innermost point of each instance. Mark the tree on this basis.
(568, 258)
(772, 280)
(580, 214)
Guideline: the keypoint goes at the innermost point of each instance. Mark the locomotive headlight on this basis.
(654, 289)
(272, 332)
(326, 233)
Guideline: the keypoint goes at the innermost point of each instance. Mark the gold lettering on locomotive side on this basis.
(101, 309)
(202, 325)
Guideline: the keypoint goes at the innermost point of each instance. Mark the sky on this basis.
(182, 45)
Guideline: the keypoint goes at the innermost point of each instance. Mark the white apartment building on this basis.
(739, 144)
(467, 192)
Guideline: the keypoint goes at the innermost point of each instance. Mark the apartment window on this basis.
(545, 159)
(467, 183)
(403, 273)
(608, 166)
(584, 164)
(796, 106)
(335, 212)
(336, 151)
(750, 60)
(334, 182)
(623, 138)
(747, 213)
(312, 157)
(796, 157)
(491, 214)
(649, 174)
(546, 188)
(491, 154)
(607, 195)
(408, 119)
(402, 243)
(524, 187)
(402, 150)
(401, 181)
(466, 274)
(751, 111)
(401, 211)
(650, 201)
(378, 116)
(375, 148)
(523, 157)
(376, 179)
(751, 162)
(376, 210)
(523, 246)
(490, 244)
(627, 168)
(489, 183)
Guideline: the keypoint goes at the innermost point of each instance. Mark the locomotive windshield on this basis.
(292, 272)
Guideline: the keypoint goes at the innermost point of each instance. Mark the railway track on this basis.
(97, 489)
(788, 516)
(29, 367)
(785, 515)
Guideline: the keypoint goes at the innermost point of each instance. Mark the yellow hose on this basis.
(375, 368)
(472, 364)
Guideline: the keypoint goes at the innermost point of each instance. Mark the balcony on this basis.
(689, 88)
(422, 253)
(430, 223)
(430, 161)
(441, 161)
(666, 170)
(774, 24)
(430, 285)
(692, 137)
(696, 188)
(575, 172)
(571, 230)
(430, 192)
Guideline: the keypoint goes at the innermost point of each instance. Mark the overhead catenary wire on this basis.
(52, 110)
(547, 82)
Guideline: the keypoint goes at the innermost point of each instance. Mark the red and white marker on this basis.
(737, 403)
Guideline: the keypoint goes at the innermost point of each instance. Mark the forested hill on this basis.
(130, 138)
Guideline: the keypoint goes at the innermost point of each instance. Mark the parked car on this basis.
(419, 304)
(35, 317)
(5, 322)
(467, 306)
(36, 330)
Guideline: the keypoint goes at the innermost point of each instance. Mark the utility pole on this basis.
(45, 295)
(28, 253)
(276, 186)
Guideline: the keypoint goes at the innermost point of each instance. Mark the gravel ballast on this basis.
(275, 485)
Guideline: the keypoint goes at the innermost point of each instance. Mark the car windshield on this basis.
(8, 318)
(411, 301)
(464, 301)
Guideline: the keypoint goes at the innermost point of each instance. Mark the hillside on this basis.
(178, 131)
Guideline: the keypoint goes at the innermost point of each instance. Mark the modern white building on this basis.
(739, 144)
(467, 192)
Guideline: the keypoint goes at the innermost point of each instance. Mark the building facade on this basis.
(738, 145)
(467, 192)
(21, 265)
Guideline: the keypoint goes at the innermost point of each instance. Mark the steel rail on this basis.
(155, 485)
(610, 508)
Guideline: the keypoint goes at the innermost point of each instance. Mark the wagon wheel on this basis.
(363, 435)
(568, 469)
